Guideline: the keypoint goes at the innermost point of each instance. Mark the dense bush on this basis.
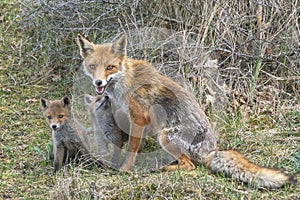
(255, 43)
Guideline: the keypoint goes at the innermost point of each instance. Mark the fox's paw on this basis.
(169, 168)
(183, 163)
(124, 168)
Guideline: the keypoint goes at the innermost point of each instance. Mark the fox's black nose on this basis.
(54, 126)
(98, 82)
(106, 97)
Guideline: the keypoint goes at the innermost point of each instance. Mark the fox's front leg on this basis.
(135, 138)
(59, 154)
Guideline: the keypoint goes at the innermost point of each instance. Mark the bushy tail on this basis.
(233, 164)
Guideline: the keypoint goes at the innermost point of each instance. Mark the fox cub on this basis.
(69, 137)
(105, 129)
(172, 114)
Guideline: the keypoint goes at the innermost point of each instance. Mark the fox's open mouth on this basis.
(100, 90)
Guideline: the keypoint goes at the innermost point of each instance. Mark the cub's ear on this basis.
(65, 101)
(86, 47)
(88, 99)
(44, 103)
(119, 46)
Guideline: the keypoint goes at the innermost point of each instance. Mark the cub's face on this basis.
(56, 112)
(98, 106)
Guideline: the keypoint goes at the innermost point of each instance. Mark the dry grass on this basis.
(251, 94)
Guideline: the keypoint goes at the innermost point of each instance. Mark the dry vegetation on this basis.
(240, 59)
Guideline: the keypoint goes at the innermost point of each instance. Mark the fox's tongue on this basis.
(100, 90)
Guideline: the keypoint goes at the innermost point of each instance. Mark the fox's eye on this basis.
(49, 117)
(60, 116)
(109, 67)
(92, 67)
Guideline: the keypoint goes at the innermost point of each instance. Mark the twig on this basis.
(294, 78)
(11, 76)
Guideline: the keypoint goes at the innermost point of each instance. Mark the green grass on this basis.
(26, 171)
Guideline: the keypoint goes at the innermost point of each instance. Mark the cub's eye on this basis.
(110, 67)
(49, 117)
(60, 116)
(98, 99)
(92, 67)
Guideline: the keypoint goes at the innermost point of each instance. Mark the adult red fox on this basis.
(152, 100)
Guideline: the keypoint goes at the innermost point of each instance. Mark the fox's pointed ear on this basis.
(88, 99)
(86, 47)
(44, 103)
(119, 46)
(65, 101)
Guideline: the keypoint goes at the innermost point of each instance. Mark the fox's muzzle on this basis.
(54, 126)
(101, 85)
(98, 83)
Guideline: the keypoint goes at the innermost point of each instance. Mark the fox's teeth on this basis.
(100, 90)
